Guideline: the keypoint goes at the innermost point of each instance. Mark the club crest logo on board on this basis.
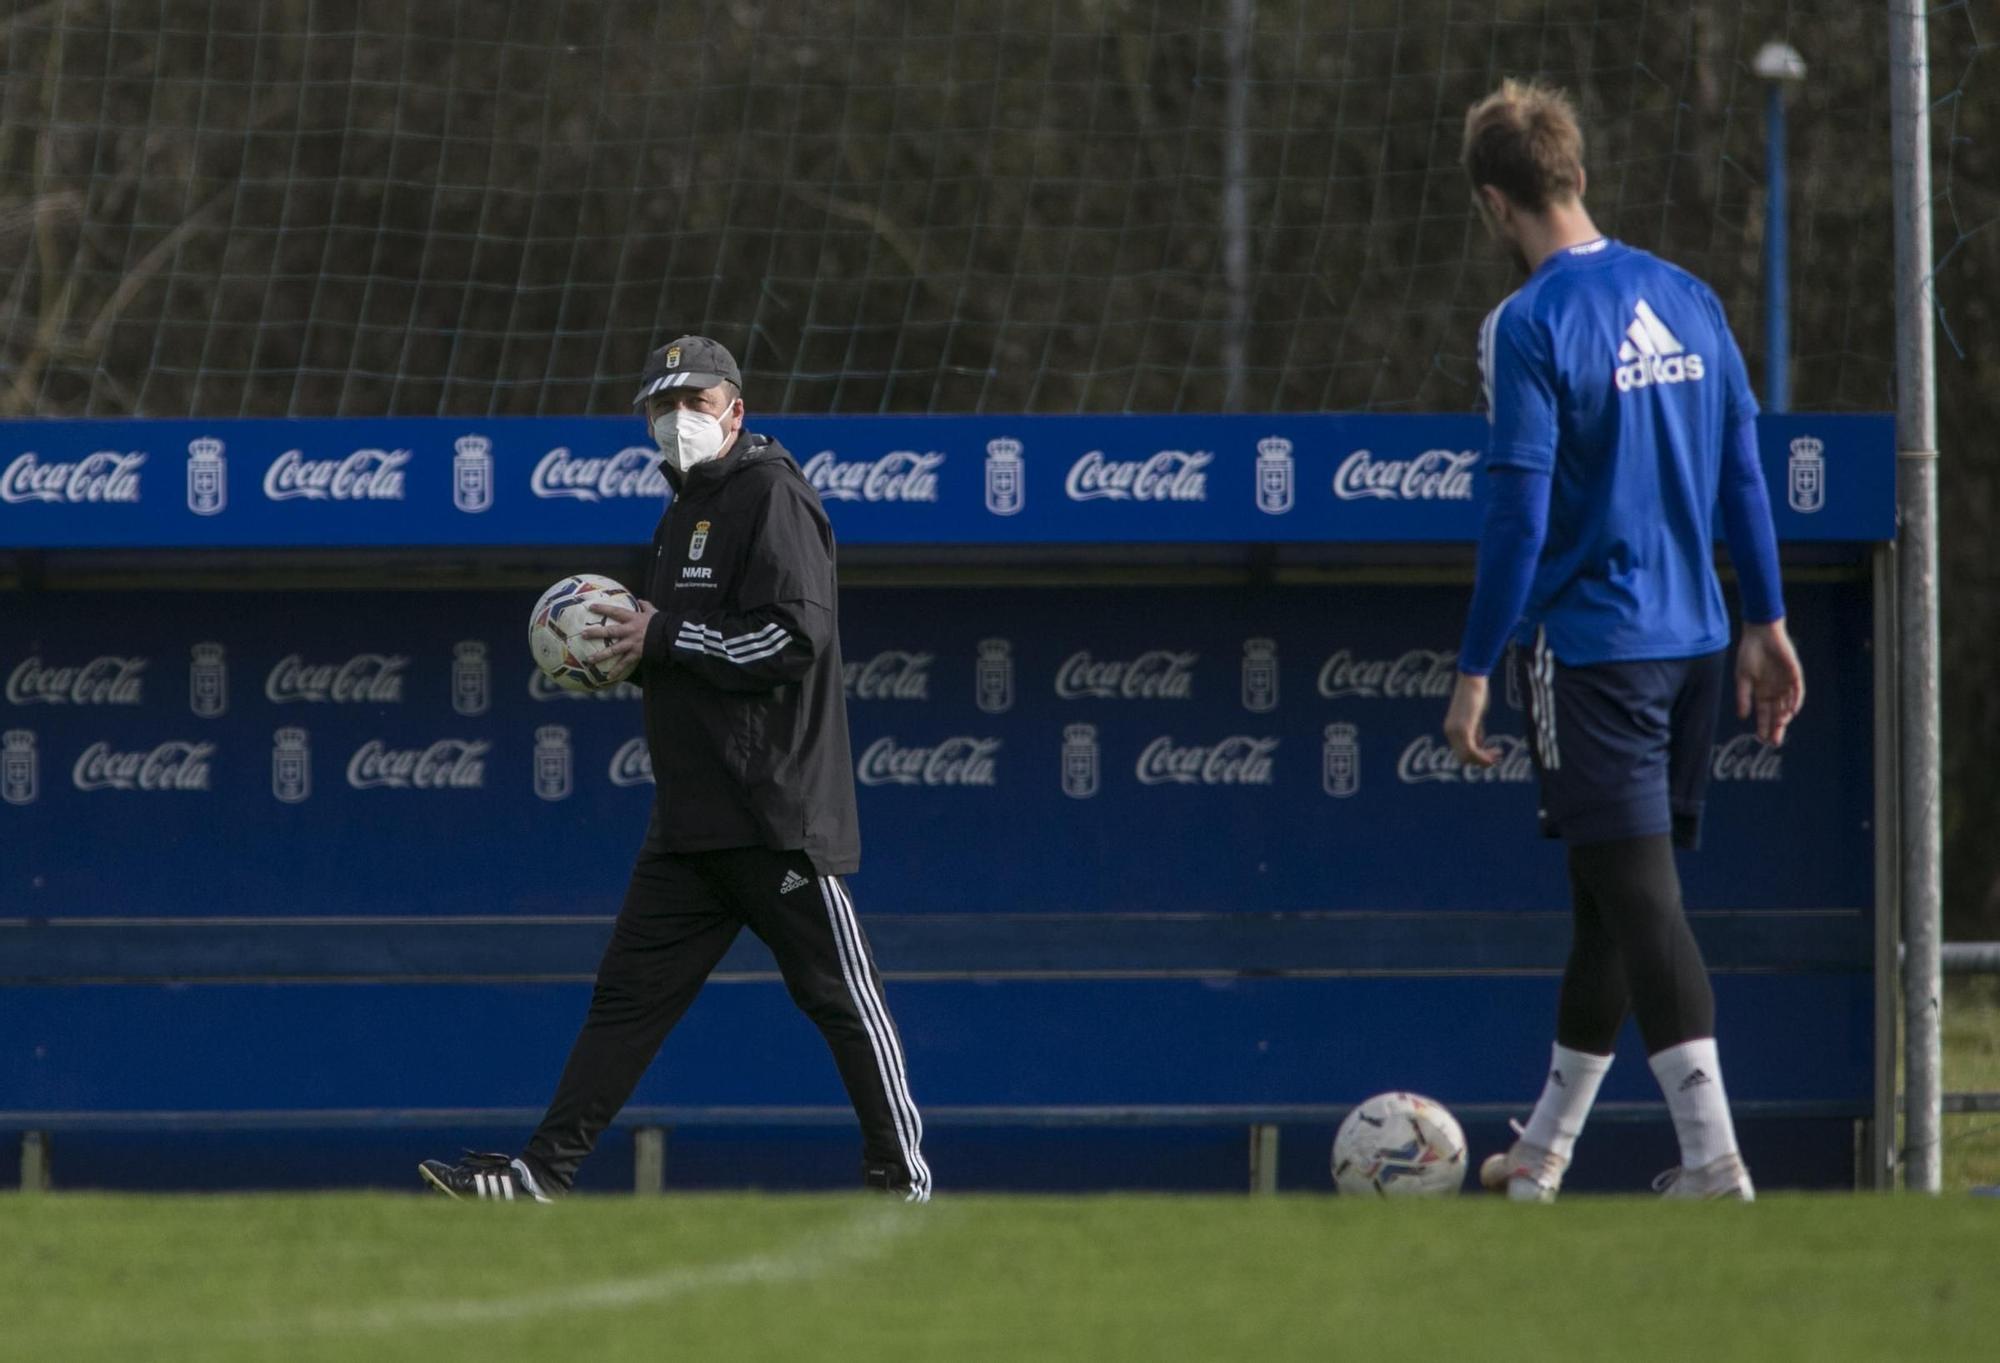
(208, 680)
(1079, 761)
(472, 473)
(1274, 475)
(18, 772)
(995, 679)
(208, 476)
(1260, 675)
(291, 766)
(1006, 490)
(1807, 475)
(471, 677)
(552, 762)
(1340, 762)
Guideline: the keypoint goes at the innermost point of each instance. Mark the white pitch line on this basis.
(853, 1241)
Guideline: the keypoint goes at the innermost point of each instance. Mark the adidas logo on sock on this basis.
(1695, 1079)
(1556, 1078)
(792, 881)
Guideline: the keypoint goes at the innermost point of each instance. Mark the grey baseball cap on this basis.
(690, 362)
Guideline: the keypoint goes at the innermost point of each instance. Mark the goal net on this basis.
(359, 207)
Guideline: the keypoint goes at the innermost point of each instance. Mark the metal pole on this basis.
(1236, 200)
(1263, 1158)
(649, 1161)
(35, 1161)
(1780, 66)
(1917, 598)
(1777, 300)
(1881, 1144)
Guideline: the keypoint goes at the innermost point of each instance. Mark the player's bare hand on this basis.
(1769, 680)
(625, 629)
(1465, 723)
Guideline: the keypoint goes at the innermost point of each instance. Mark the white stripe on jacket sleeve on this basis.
(744, 648)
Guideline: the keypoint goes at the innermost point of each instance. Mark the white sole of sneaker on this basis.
(437, 1183)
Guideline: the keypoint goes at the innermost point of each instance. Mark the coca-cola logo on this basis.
(363, 476)
(632, 764)
(890, 675)
(1157, 674)
(1420, 674)
(364, 679)
(961, 760)
(448, 764)
(1433, 476)
(898, 476)
(106, 680)
(1239, 760)
(106, 476)
(1169, 476)
(173, 765)
(1431, 759)
(632, 472)
(1747, 757)
(542, 687)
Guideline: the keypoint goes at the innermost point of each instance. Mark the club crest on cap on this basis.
(673, 357)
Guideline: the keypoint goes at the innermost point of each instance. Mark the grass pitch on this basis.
(827, 1279)
(832, 1278)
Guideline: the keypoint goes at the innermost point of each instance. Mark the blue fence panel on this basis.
(1186, 751)
(1799, 1039)
(886, 480)
(1121, 845)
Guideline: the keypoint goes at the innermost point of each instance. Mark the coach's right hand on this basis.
(1465, 721)
(1769, 678)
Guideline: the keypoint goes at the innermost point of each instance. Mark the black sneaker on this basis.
(887, 1178)
(499, 1177)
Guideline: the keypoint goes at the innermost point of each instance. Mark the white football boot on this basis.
(1717, 1180)
(1526, 1172)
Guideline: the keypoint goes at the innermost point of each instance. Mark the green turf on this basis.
(833, 1278)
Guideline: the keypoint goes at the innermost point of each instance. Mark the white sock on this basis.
(1560, 1112)
(1691, 1077)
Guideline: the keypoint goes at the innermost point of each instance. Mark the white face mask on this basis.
(687, 437)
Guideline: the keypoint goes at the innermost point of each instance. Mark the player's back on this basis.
(1615, 371)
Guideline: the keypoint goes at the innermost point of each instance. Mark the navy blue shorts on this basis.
(1622, 749)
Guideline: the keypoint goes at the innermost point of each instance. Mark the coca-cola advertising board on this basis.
(1105, 750)
(933, 480)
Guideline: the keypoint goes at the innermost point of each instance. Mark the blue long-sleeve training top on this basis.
(1622, 421)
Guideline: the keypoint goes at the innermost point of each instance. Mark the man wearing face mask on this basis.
(753, 821)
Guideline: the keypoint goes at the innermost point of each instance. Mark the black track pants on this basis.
(681, 912)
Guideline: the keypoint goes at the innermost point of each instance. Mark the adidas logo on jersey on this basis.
(1652, 354)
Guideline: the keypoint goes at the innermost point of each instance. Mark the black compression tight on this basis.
(1632, 951)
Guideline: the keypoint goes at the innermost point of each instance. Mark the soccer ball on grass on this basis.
(555, 632)
(1399, 1145)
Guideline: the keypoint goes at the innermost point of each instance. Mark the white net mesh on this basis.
(318, 207)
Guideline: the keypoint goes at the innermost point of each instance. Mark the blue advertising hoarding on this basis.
(885, 480)
(1147, 844)
(1078, 750)
(1159, 845)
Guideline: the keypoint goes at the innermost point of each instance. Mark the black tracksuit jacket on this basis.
(746, 712)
